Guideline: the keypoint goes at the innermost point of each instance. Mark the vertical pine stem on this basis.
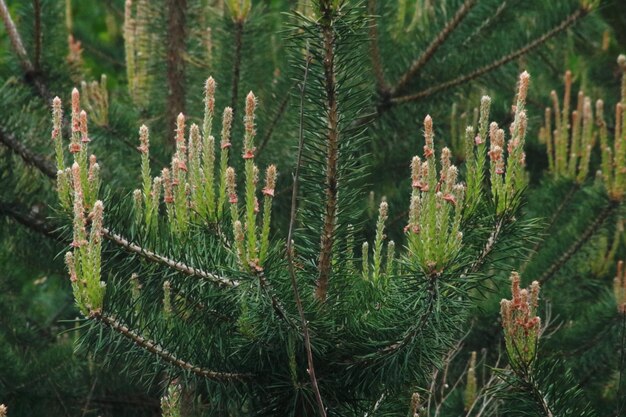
(176, 36)
(332, 151)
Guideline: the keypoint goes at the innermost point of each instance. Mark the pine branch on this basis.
(557, 213)
(30, 74)
(439, 40)
(277, 305)
(489, 246)
(292, 268)
(170, 263)
(567, 22)
(424, 319)
(539, 397)
(43, 165)
(30, 157)
(578, 243)
(176, 35)
(30, 220)
(379, 73)
(332, 152)
(164, 354)
(15, 38)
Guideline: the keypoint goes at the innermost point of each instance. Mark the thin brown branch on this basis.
(176, 35)
(30, 74)
(173, 264)
(292, 268)
(43, 165)
(332, 151)
(555, 216)
(277, 305)
(30, 157)
(164, 354)
(578, 243)
(565, 23)
(381, 84)
(238, 41)
(15, 38)
(30, 220)
(439, 40)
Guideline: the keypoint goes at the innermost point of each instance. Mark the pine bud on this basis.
(493, 130)
(424, 176)
(520, 323)
(227, 121)
(524, 79)
(80, 233)
(429, 149)
(84, 134)
(180, 128)
(248, 144)
(249, 117)
(415, 405)
(138, 205)
(168, 197)
(416, 164)
(239, 240)
(210, 95)
(451, 178)
(71, 266)
(270, 181)
(171, 403)
(75, 110)
(230, 185)
(414, 215)
(390, 268)
(445, 163)
(144, 140)
(97, 220)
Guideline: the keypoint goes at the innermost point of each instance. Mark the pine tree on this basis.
(228, 305)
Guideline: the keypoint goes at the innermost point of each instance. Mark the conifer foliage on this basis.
(218, 246)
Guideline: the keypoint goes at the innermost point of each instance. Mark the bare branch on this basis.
(445, 33)
(15, 38)
(30, 220)
(173, 264)
(567, 22)
(592, 229)
(292, 269)
(18, 46)
(164, 354)
(30, 157)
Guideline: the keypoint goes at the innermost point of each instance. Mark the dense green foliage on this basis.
(180, 294)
